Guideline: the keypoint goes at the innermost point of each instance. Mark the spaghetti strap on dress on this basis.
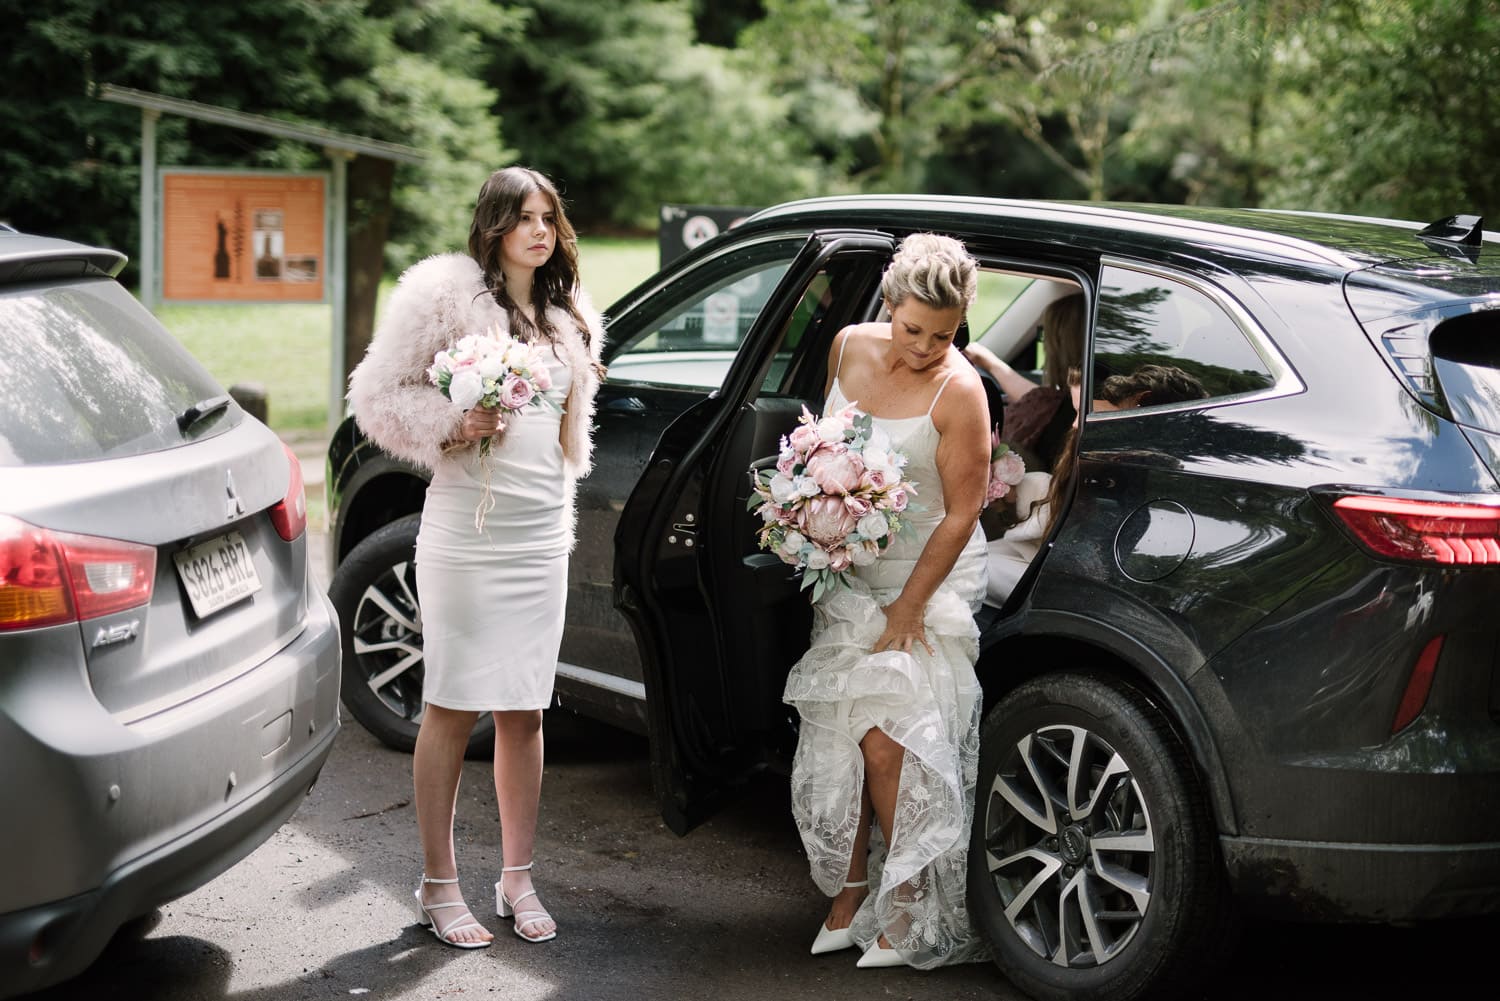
(928, 703)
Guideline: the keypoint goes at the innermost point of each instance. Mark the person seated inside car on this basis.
(1037, 417)
(1034, 499)
(1148, 386)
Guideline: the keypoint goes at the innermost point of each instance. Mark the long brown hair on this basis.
(1067, 459)
(1062, 338)
(496, 213)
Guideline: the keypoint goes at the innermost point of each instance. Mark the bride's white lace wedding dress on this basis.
(930, 704)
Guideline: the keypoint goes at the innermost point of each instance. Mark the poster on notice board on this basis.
(243, 236)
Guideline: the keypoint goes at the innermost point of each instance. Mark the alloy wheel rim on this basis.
(387, 635)
(1069, 846)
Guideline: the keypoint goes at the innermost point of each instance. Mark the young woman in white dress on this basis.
(492, 598)
(887, 694)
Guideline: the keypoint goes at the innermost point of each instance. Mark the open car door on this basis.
(718, 622)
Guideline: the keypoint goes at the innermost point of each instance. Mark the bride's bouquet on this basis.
(492, 370)
(835, 499)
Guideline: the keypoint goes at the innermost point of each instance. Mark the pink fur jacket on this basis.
(436, 302)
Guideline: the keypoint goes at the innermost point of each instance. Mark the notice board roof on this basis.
(260, 123)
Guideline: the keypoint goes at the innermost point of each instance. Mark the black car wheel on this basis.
(375, 592)
(1094, 870)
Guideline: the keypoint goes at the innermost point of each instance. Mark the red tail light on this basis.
(1424, 531)
(1417, 689)
(50, 577)
(289, 515)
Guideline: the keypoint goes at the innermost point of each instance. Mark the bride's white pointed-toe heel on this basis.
(834, 939)
(878, 955)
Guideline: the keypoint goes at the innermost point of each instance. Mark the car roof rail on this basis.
(1456, 235)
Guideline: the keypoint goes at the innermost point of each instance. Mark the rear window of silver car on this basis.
(86, 373)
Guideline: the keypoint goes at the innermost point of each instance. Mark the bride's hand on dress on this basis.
(903, 629)
(480, 423)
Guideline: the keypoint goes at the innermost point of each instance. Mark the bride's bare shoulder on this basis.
(863, 334)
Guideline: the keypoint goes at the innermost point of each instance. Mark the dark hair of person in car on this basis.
(1150, 386)
(496, 213)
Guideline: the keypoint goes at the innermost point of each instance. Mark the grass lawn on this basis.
(285, 347)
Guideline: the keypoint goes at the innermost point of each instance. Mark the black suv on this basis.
(1254, 663)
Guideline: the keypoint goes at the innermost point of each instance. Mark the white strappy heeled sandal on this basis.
(426, 917)
(834, 939)
(505, 907)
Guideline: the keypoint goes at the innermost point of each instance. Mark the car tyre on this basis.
(1094, 870)
(380, 617)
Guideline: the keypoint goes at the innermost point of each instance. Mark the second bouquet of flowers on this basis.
(1007, 469)
(492, 370)
(835, 499)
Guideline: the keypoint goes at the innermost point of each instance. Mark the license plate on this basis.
(217, 573)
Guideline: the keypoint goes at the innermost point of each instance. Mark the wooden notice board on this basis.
(233, 236)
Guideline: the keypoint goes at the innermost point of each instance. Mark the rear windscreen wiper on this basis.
(203, 408)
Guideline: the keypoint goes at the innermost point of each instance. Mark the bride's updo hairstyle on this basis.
(935, 270)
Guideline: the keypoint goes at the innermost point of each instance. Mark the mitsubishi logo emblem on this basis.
(233, 507)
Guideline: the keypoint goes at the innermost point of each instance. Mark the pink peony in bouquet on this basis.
(835, 499)
(1006, 469)
(493, 370)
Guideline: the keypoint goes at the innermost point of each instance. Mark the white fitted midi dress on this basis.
(492, 599)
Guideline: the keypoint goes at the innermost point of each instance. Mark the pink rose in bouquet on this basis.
(835, 498)
(516, 392)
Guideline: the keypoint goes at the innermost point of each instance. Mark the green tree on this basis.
(1393, 109)
(626, 110)
(873, 81)
(72, 161)
(1043, 87)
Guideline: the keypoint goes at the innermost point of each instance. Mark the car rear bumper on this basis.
(162, 769)
(1326, 881)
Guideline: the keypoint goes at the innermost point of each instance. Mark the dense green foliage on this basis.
(1371, 106)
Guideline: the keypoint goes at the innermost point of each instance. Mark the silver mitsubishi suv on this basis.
(169, 681)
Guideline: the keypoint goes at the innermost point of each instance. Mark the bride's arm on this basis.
(963, 462)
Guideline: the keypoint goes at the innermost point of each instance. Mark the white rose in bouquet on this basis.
(492, 365)
(831, 429)
(467, 387)
(872, 526)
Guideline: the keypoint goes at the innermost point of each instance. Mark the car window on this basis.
(689, 338)
(1161, 342)
(90, 374)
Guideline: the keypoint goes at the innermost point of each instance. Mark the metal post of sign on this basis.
(147, 263)
(337, 292)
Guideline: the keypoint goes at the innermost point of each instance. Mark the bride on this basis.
(887, 694)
